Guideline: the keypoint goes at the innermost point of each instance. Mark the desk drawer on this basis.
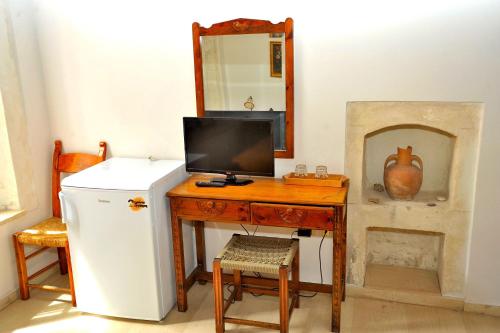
(212, 210)
(292, 216)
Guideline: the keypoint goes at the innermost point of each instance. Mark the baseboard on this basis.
(10, 298)
(490, 310)
(408, 297)
(13, 296)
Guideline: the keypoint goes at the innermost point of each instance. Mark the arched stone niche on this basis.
(448, 129)
(434, 146)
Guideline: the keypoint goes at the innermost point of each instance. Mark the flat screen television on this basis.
(229, 146)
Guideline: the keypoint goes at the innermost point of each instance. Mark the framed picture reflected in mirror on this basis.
(276, 58)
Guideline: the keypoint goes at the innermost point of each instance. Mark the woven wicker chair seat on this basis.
(50, 232)
(258, 254)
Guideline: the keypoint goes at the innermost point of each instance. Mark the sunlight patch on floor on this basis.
(75, 324)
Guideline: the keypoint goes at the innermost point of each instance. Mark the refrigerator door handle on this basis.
(64, 212)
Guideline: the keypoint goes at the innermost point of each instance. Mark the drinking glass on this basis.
(321, 172)
(300, 170)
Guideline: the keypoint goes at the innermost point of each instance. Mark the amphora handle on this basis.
(393, 157)
(418, 160)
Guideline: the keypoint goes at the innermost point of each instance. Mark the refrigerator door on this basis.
(112, 246)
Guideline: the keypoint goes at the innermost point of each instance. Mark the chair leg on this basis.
(296, 276)
(219, 296)
(70, 274)
(237, 285)
(283, 291)
(63, 265)
(22, 271)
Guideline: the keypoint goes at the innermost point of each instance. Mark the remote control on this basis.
(210, 184)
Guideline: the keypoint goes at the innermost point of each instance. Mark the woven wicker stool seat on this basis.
(269, 255)
(258, 254)
(50, 232)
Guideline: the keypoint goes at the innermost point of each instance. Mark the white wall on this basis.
(8, 187)
(39, 145)
(123, 71)
(484, 267)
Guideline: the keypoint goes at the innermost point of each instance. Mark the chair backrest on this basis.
(70, 163)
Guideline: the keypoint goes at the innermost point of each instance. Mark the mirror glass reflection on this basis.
(244, 76)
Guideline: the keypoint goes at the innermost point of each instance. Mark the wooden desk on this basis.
(268, 202)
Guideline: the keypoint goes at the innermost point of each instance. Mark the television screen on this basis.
(229, 146)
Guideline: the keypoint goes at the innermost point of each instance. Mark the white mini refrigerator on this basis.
(118, 221)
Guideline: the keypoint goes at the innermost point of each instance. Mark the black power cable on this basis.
(245, 229)
(320, 265)
(256, 228)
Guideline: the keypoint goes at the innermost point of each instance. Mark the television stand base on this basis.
(232, 181)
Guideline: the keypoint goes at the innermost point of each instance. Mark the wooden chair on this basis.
(263, 255)
(51, 232)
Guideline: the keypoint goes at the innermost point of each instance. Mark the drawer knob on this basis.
(212, 207)
(291, 215)
(259, 217)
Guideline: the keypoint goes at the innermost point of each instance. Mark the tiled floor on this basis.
(47, 312)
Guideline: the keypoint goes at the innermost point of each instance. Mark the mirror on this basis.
(243, 77)
(244, 68)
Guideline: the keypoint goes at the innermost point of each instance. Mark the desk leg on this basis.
(199, 231)
(344, 252)
(337, 273)
(180, 272)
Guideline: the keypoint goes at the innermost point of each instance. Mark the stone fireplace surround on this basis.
(451, 219)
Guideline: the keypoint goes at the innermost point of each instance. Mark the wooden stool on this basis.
(51, 232)
(262, 255)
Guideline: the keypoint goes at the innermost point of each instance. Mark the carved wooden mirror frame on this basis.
(248, 26)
